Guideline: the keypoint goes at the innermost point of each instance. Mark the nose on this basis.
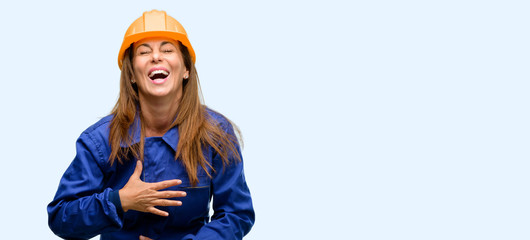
(156, 56)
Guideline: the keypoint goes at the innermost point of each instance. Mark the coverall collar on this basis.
(171, 137)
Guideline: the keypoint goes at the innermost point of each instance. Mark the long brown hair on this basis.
(197, 129)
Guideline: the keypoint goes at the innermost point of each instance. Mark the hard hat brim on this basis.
(143, 35)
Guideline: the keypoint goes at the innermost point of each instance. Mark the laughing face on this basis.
(158, 68)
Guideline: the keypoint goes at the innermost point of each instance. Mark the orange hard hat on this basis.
(154, 24)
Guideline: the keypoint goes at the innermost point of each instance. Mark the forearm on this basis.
(85, 217)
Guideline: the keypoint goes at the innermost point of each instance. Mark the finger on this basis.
(156, 211)
(144, 238)
(166, 203)
(169, 194)
(166, 184)
(137, 170)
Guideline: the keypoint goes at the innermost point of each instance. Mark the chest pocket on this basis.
(193, 211)
(195, 205)
(204, 180)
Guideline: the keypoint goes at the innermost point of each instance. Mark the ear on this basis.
(186, 74)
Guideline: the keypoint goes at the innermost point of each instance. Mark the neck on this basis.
(158, 114)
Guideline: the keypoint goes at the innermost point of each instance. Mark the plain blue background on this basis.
(361, 119)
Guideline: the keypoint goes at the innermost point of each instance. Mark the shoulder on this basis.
(218, 118)
(95, 139)
(98, 132)
(101, 126)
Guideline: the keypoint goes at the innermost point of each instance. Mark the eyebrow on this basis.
(161, 45)
(166, 42)
(145, 45)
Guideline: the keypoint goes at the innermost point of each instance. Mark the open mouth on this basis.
(158, 74)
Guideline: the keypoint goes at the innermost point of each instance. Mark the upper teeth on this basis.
(157, 72)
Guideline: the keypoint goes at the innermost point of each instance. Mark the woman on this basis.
(149, 170)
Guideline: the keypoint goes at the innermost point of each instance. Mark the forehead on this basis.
(154, 42)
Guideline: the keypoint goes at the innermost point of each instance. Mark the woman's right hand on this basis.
(141, 196)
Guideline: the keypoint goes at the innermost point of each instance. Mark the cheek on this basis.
(137, 72)
(178, 66)
(136, 64)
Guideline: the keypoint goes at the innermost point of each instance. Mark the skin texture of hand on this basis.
(141, 196)
(144, 238)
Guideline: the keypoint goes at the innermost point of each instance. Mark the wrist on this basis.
(123, 203)
(114, 198)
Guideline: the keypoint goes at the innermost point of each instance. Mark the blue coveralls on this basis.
(87, 204)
